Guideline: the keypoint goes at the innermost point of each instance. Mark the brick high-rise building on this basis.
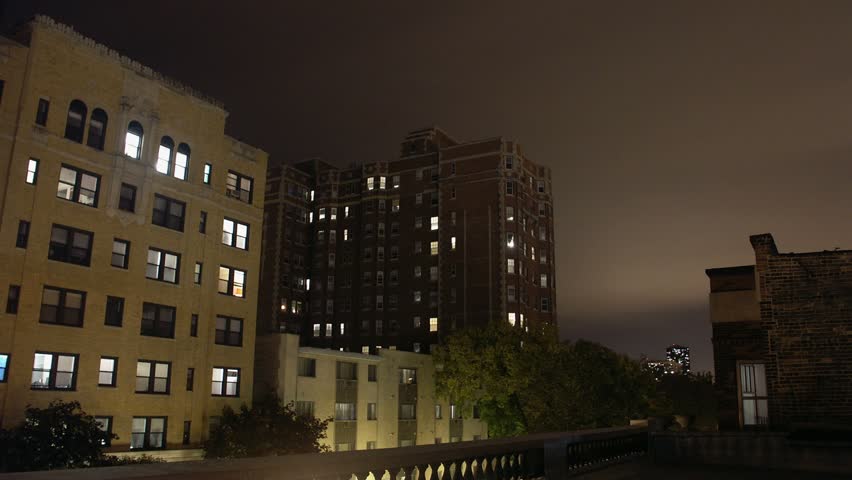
(680, 355)
(129, 242)
(396, 254)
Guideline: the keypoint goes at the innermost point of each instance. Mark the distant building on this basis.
(680, 355)
(660, 368)
(129, 243)
(400, 253)
(782, 338)
(376, 401)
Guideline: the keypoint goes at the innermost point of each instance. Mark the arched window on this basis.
(97, 129)
(76, 121)
(133, 140)
(181, 161)
(164, 155)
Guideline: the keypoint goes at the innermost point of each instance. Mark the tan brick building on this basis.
(129, 242)
(376, 401)
(399, 253)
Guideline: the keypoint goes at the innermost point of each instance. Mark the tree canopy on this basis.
(267, 428)
(528, 382)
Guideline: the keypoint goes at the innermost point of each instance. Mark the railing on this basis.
(549, 455)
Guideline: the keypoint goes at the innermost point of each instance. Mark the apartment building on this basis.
(396, 254)
(375, 401)
(129, 240)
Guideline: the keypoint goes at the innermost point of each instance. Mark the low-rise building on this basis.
(376, 401)
(782, 338)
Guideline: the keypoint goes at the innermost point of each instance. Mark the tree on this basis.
(268, 428)
(690, 395)
(59, 436)
(527, 382)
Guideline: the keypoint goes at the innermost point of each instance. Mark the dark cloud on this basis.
(674, 129)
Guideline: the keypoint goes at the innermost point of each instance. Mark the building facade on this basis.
(130, 233)
(680, 355)
(399, 253)
(782, 338)
(375, 401)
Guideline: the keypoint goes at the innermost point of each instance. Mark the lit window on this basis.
(510, 214)
(232, 281)
(395, 181)
(345, 234)
(510, 265)
(417, 296)
(106, 372)
(235, 234)
(433, 247)
(54, 371)
(208, 171)
(32, 171)
(452, 243)
(510, 240)
(395, 205)
(226, 382)
(382, 181)
(239, 186)
(753, 393)
(162, 265)
(181, 161)
(512, 318)
(370, 183)
(317, 329)
(321, 214)
(152, 377)
(120, 253)
(133, 140)
(78, 186)
(543, 280)
(333, 213)
(433, 222)
(433, 324)
(164, 155)
(148, 433)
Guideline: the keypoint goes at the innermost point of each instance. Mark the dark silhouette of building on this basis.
(396, 254)
(782, 338)
(680, 355)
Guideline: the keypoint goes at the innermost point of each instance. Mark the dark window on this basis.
(114, 311)
(164, 155)
(2, 86)
(208, 172)
(54, 371)
(196, 275)
(4, 366)
(190, 379)
(105, 424)
(97, 129)
(13, 299)
(229, 331)
(347, 371)
(61, 306)
(133, 140)
(76, 122)
(23, 234)
(127, 198)
(32, 171)
(193, 325)
(70, 245)
(232, 281)
(181, 161)
(371, 411)
(163, 266)
(226, 382)
(152, 377)
(202, 222)
(41, 111)
(78, 186)
(371, 373)
(307, 367)
(168, 212)
(158, 320)
(187, 428)
(148, 433)
(239, 186)
(107, 371)
(120, 253)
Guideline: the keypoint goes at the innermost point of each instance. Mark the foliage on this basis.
(528, 382)
(268, 428)
(59, 436)
(690, 395)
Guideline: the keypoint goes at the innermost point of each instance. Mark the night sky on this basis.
(674, 129)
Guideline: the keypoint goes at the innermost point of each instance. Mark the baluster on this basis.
(499, 472)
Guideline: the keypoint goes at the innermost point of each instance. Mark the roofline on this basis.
(739, 269)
